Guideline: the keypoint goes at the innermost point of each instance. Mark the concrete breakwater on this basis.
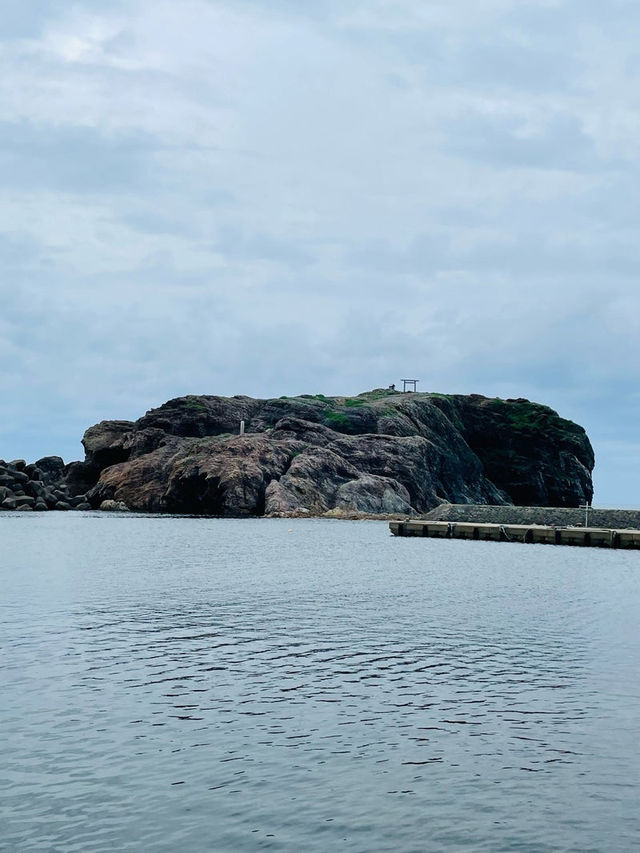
(528, 533)
(37, 487)
(617, 519)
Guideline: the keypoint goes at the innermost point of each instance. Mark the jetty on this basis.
(539, 534)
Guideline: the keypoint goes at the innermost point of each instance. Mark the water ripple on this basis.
(292, 694)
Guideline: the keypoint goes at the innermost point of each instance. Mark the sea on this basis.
(183, 685)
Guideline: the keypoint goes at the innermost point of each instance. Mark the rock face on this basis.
(37, 487)
(380, 452)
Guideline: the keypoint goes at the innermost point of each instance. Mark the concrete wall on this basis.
(552, 516)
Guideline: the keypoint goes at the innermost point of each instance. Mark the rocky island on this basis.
(382, 452)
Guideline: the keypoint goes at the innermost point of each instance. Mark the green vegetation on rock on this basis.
(336, 419)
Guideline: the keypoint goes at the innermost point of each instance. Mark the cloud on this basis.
(561, 144)
(73, 159)
(270, 198)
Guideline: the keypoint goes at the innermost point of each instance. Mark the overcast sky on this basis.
(280, 197)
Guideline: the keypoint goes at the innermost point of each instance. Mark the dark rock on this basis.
(62, 505)
(320, 481)
(428, 472)
(9, 503)
(311, 482)
(306, 431)
(32, 472)
(85, 505)
(17, 464)
(24, 508)
(40, 505)
(271, 412)
(144, 441)
(527, 450)
(378, 452)
(18, 476)
(36, 489)
(195, 416)
(228, 476)
(374, 495)
(140, 483)
(213, 476)
(79, 477)
(104, 443)
(25, 500)
(51, 469)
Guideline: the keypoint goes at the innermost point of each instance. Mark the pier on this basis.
(586, 537)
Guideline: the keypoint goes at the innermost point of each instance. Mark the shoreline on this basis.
(565, 517)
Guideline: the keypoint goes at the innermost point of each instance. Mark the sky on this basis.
(271, 197)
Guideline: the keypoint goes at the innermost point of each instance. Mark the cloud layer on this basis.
(251, 197)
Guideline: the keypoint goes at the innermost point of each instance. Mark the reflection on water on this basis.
(194, 685)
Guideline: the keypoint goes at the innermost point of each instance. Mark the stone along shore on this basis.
(37, 487)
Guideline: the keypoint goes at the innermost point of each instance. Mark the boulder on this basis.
(374, 495)
(51, 469)
(35, 488)
(104, 443)
(79, 477)
(114, 506)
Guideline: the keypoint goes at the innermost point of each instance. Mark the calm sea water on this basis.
(179, 685)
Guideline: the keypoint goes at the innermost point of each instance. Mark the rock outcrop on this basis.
(382, 452)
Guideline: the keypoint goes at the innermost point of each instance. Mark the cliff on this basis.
(379, 452)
